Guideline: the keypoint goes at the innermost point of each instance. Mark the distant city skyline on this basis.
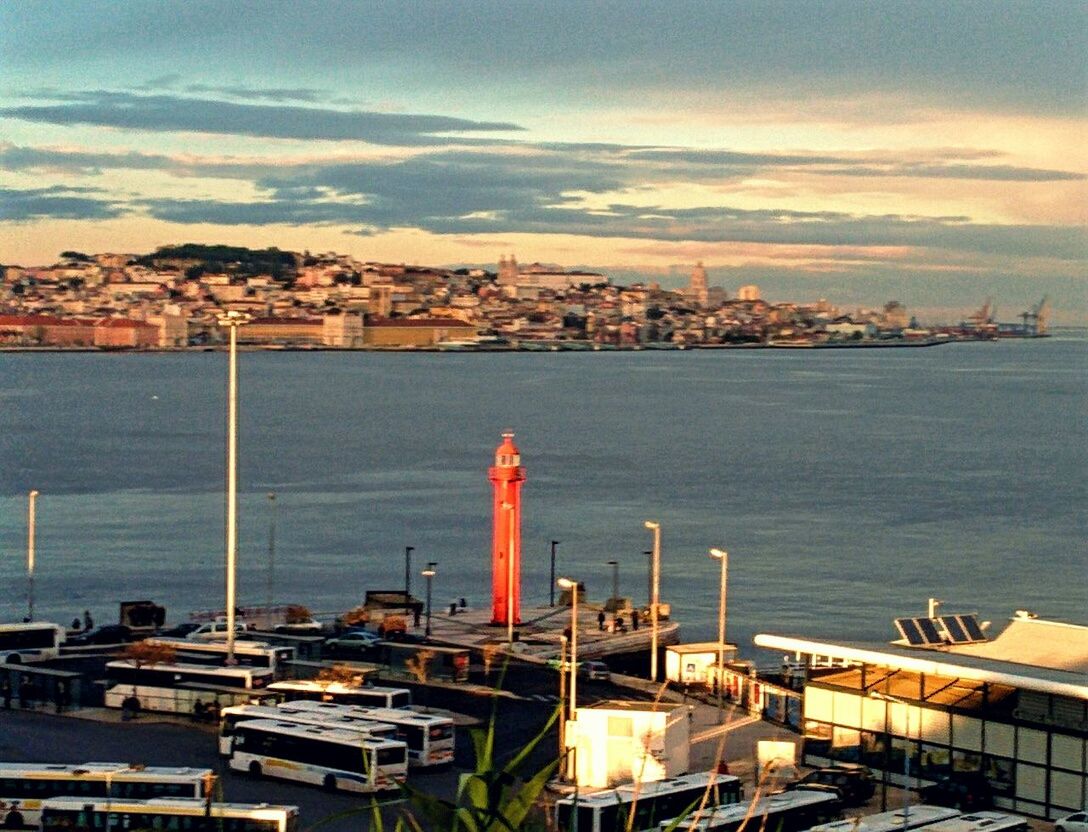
(928, 152)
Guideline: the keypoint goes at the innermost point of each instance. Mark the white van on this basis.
(215, 630)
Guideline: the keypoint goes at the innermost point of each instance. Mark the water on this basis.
(847, 486)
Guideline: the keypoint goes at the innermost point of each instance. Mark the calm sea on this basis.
(848, 486)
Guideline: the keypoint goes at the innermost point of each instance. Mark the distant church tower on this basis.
(506, 477)
(698, 291)
(508, 271)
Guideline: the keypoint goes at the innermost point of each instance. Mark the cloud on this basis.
(57, 202)
(169, 113)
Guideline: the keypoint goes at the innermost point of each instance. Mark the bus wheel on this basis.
(255, 769)
(14, 658)
(330, 783)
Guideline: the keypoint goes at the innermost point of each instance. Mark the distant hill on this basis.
(197, 258)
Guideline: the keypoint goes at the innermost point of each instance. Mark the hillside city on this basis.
(173, 297)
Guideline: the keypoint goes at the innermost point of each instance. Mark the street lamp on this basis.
(31, 521)
(551, 584)
(509, 509)
(408, 576)
(572, 585)
(615, 564)
(655, 591)
(649, 553)
(271, 549)
(888, 698)
(723, 556)
(232, 320)
(428, 573)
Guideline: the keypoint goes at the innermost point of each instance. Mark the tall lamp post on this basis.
(889, 699)
(408, 576)
(429, 573)
(572, 585)
(232, 320)
(31, 520)
(723, 556)
(271, 549)
(551, 583)
(654, 594)
(615, 564)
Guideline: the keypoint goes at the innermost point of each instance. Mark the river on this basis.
(848, 486)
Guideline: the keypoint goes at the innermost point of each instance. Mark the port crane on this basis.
(1035, 319)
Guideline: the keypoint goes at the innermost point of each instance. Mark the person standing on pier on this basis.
(600, 620)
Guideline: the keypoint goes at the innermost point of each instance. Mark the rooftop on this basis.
(1042, 662)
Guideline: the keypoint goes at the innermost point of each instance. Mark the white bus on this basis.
(74, 814)
(785, 812)
(609, 810)
(430, 738)
(335, 758)
(230, 717)
(23, 786)
(981, 822)
(915, 818)
(369, 696)
(29, 642)
(184, 688)
(246, 653)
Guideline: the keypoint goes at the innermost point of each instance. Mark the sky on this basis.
(930, 152)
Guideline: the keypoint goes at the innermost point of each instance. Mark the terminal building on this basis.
(945, 698)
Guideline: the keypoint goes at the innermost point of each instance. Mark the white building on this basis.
(619, 741)
(1014, 707)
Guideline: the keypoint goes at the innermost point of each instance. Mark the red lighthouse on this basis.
(506, 477)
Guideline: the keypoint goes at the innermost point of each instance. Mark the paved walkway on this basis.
(540, 632)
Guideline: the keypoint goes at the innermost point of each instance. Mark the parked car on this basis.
(402, 637)
(352, 643)
(307, 627)
(855, 783)
(178, 630)
(106, 634)
(215, 630)
(594, 670)
(967, 791)
(1077, 822)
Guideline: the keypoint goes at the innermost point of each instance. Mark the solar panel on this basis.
(929, 630)
(970, 624)
(955, 630)
(908, 628)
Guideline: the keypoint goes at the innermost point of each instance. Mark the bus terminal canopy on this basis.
(937, 662)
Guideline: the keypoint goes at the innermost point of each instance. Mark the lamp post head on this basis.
(232, 318)
(428, 572)
(720, 554)
(651, 525)
(613, 563)
(34, 493)
(567, 583)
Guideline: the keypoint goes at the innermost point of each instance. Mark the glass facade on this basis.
(1033, 757)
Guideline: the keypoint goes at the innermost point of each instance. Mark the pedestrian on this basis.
(26, 693)
(14, 818)
(600, 620)
(5, 691)
(130, 708)
(634, 620)
(416, 612)
(88, 622)
(60, 695)
(620, 626)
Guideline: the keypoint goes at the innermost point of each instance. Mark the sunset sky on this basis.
(931, 152)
